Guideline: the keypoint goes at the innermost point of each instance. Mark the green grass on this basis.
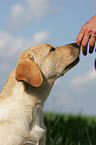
(70, 130)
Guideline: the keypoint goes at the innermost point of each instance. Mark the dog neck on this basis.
(40, 93)
(14, 88)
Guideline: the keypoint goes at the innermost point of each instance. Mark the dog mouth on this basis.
(72, 64)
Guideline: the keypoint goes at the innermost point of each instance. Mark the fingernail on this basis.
(91, 49)
(84, 52)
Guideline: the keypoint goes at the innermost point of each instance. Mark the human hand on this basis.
(88, 31)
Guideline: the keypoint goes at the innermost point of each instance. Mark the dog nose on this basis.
(75, 45)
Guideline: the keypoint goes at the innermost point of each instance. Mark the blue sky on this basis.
(24, 23)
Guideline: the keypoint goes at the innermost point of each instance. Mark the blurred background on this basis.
(24, 23)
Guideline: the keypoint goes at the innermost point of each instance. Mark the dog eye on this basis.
(52, 49)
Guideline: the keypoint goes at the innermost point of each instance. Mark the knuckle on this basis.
(94, 32)
(92, 41)
(88, 31)
(84, 44)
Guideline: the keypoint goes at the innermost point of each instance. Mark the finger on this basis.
(92, 44)
(79, 39)
(84, 50)
(80, 36)
(85, 44)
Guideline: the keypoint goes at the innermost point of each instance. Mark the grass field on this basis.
(70, 130)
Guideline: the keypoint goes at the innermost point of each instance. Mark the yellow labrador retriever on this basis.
(28, 86)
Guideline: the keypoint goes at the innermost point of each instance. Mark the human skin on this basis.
(87, 32)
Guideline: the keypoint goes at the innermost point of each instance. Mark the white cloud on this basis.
(21, 15)
(10, 45)
(41, 8)
(85, 83)
(85, 79)
(38, 37)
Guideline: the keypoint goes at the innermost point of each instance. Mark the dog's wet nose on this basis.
(75, 45)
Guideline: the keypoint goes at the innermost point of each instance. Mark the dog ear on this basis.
(29, 72)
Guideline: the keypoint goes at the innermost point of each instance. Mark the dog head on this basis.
(46, 60)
